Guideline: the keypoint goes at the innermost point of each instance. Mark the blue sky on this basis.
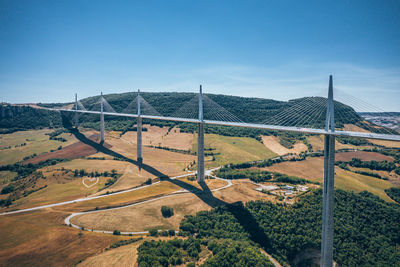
(272, 49)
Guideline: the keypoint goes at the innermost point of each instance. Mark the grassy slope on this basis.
(6, 176)
(312, 169)
(58, 192)
(234, 149)
(40, 239)
(126, 219)
(36, 142)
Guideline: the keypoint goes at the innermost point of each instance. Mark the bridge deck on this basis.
(251, 125)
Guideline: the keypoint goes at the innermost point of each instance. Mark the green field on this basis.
(36, 142)
(234, 149)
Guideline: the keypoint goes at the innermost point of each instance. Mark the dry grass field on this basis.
(351, 127)
(234, 149)
(146, 216)
(6, 176)
(73, 151)
(363, 155)
(160, 189)
(159, 136)
(317, 142)
(166, 162)
(59, 192)
(36, 142)
(272, 143)
(40, 239)
(93, 165)
(312, 169)
(242, 190)
(121, 256)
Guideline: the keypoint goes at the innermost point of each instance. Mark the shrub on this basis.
(171, 232)
(167, 211)
(116, 232)
(153, 232)
(7, 189)
(164, 233)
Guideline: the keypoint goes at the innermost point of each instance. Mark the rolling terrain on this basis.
(104, 190)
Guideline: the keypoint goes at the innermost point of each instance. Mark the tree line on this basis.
(367, 231)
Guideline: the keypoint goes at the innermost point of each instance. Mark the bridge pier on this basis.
(200, 153)
(102, 136)
(200, 141)
(139, 132)
(76, 118)
(329, 182)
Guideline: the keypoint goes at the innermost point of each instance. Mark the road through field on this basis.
(67, 220)
(208, 172)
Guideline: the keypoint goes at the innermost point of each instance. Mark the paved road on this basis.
(96, 197)
(182, 191)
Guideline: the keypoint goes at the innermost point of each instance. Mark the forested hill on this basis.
(253, 110)
(15, 118)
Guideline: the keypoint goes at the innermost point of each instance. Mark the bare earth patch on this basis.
(73, 151)
(272, 142)
(159, 136)
(317, 142)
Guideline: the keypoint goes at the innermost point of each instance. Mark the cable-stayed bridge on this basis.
(321, 115)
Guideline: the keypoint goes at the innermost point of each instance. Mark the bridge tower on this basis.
(102, 138)
(139, 131)
(328, 190)
(76, 113)
(200, 141)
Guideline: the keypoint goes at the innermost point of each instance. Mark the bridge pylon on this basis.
(329, 181)
(200, 140)
(139, 131)
(102, 136)
(76, 117)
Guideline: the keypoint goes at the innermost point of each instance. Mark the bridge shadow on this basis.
(237, 209)
(99, 147)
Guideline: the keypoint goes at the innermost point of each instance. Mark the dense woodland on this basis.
(367, 232)
(394, 193)
(17, 118)
(224, 253)
(258, 176)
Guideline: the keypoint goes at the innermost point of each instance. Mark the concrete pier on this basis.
(76, 117)
(200, 141)
(102, 135)
(329, 181)
(139, 132)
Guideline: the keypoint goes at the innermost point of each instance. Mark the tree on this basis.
(153, 232)
(171, 232)
(116, 232)
(7, 189)
(167, 211)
